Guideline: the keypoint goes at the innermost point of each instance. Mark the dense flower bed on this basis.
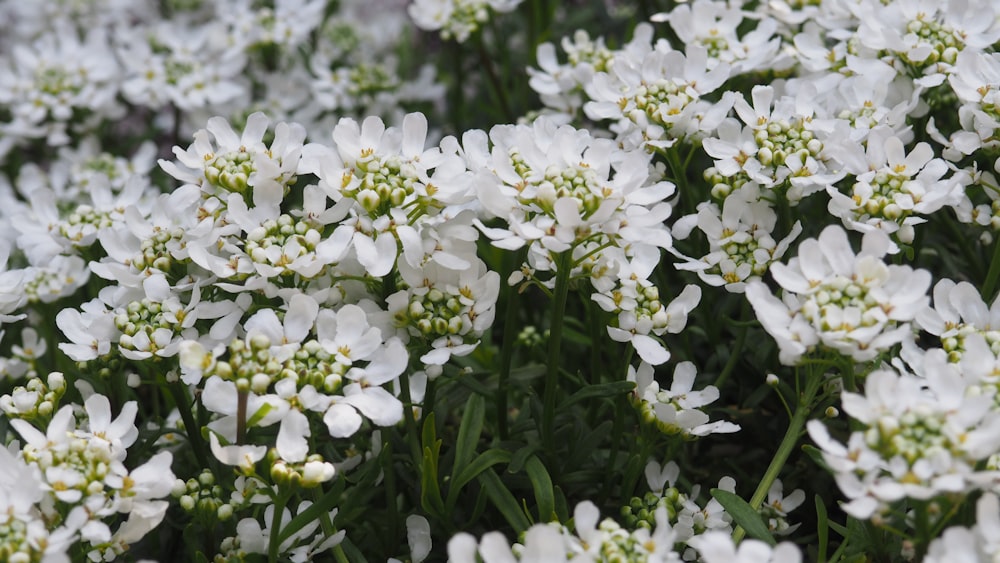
(484, 280)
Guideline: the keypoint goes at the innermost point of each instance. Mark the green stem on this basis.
(788, 443)
(179, 392)
(274, 542)
(678, 174)
(511, 261)
(737, 350)
(412, 433)
(563, 262)
(241, 415)
(923, 528)
(990, 285)
(338, 553)
(390, 492)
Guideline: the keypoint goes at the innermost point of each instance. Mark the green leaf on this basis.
(259, 415)
(469, 431)
(816, 455)
(521, 456)
(353, 553)
(428, 434)
(430, 490)
(634, 468)
(483, 462)
(822, 530)
(323, 505)
(504, 501)
(843, 531)
(744, 515)
(562, 507)
(542, 484)
(611, 389)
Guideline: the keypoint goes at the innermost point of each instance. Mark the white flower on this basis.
(978, 543)
(892, 188)
(287, 335)
(243, 456)
(220, 161)
(641, 313)
(959, 312)
(173, 62)
(854, 304)
(365, 396)
(713, 25)
(418, 536)
(657, 94)
(255, 539)
(923, 37)
(119, 433)
(919, 437)
(448, 308)
(779, 147)
(90, 331)
(777, 507)
(717, 547)
(677, 410)
(382, 184)
(556, 186)
(457, 19)
(594, 540)
(46, 83)
(660, 477)
(740, 241)
(22, 489)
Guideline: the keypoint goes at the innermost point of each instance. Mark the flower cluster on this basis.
(255, 256)
(921, 436)
(853, 304)
(78, 484)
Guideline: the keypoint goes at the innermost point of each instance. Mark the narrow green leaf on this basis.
(521, 456)
(576, 337)
(542, 484)
(353, 553)
(633, 471)
(315, 510)
(480, 507)
(259, 415)
(611, 389)
(504, 500)
(469, 431)
(562, 507)
(843, 531)
(471, 384)
(430, 490)
(823, 531)
(483, 461)
(744, 515)
(816, 455)
(428, 434)
(527, 511)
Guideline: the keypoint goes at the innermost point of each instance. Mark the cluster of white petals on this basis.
(854, 304)
(77, 482)
(920, 436)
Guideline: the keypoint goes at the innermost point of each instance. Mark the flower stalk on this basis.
(564, 264)
(791, 438)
